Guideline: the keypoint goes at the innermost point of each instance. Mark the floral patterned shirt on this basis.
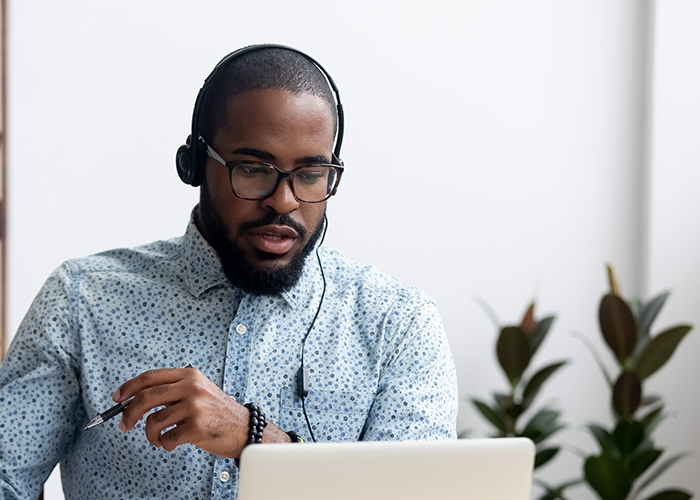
(380, 367)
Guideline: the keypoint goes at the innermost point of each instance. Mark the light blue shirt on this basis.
(380, 367)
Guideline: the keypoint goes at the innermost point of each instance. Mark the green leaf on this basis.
(618, 326)
(608, 477)
(490, 414)
(604, 438)
(540, 333)
(502, 401)
(515, 411)
(671, 495)
(641, 461)
(533, 386)
(544, 456)
(513, 350)
(487, 309)
(627, 436)
(555, 492)
(651, 399)
(548, 432)
(594, 352)
(542, 419)
(652, 419)
(649, 312)
(662, 468)
(636, 308)
(627, 394)
(542, 425)
(465, 433)
(659, 350)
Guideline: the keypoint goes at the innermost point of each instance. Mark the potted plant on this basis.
(515, 348)
(628, 460)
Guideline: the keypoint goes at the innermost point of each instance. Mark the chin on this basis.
(252, 270)
(272, 260)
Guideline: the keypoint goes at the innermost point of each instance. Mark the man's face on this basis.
(263, 244)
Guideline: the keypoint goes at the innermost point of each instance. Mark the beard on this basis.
(251, 277)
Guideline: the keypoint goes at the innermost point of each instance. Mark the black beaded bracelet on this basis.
(296, 438)
(257, 424)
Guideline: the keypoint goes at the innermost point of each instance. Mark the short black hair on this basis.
(266, 68)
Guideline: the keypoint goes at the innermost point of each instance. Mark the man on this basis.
(233, 312)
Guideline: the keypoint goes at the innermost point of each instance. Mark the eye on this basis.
(311, 175)
(252, 169)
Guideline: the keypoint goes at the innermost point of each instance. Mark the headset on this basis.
(190, 160)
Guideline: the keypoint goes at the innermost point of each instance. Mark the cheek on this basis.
(217, 182)
(313, 214)
(222, 204)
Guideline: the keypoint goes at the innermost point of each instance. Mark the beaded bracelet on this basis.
(257, 424)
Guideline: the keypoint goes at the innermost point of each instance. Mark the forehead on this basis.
(270, 115)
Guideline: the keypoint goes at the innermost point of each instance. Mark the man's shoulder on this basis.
(349, 276)
(128, 260)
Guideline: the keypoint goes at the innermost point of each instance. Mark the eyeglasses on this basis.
(257, 180)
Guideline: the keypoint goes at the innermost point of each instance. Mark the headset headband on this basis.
(187, 164)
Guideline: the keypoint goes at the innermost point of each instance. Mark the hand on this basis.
(203, 415)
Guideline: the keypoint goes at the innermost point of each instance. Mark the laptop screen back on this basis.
(474, 469)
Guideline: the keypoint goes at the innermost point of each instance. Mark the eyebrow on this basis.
(314, 159)
(267, 156)
(258, 153)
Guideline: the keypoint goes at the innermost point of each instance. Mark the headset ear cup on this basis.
(190, 172)
(183, 161)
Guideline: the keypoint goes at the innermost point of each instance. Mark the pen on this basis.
(111, 413)
(114, 411)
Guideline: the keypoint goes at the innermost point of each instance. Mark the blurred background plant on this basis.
(622, 469)
(515, 348)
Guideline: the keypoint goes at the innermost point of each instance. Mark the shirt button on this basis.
(224, 476)
(241, 329)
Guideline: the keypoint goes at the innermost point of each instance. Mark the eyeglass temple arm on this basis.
(215, 155)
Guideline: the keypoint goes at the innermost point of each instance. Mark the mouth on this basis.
(273, 239)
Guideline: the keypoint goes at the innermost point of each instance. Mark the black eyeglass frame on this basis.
(281, 174)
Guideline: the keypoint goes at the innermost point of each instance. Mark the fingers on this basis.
(146, 400)
(190, 409)
(160, 420)
(176, 436)
(148, 379)
(152, 389)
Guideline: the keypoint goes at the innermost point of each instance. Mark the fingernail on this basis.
(116, 394)
(122, 425)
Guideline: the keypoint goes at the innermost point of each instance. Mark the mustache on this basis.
(273, 218)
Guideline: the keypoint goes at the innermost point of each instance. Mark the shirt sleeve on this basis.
(39, 391)
(417, 390)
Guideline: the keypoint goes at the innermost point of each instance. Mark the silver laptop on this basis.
(473, 469)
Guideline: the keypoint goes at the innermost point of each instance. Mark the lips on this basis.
(273, 239)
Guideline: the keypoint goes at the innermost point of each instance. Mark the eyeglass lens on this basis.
(256, 181)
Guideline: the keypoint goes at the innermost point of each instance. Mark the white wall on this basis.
(675, 217)
(533, 110)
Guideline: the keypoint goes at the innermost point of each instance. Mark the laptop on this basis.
(465, 469)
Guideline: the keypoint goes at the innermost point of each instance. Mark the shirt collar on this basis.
(204, 270)
(202, 263)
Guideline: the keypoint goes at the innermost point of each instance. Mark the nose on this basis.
(282, 199)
